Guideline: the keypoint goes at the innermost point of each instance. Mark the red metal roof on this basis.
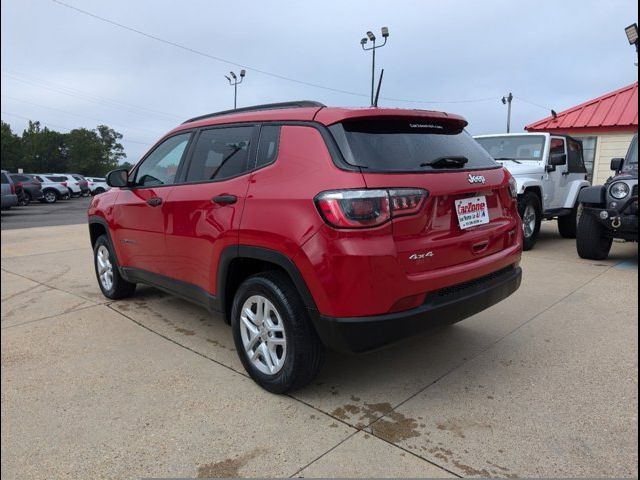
(615, 111)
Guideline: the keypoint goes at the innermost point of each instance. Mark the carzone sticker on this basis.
(472, 212)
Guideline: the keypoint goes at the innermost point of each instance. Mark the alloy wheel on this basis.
(529, 220)
(263, 335)
(105, 268)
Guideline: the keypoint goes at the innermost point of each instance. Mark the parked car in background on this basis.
(82, 183)
(550, 172)
(9, 195)
(611, 210)
(313, 227)
(97, 185)
(71, 183)
(53, 188)
(31, 188)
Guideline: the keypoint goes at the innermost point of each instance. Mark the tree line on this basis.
(41, 150)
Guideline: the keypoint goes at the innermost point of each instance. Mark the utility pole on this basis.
(507, 101)
(234, 83)
(363, 42)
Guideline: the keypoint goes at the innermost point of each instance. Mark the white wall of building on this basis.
(610, 145)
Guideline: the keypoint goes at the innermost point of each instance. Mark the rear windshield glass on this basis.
(409, 145)
(514, 147)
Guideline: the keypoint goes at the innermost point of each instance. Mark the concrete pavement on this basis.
(543, 384)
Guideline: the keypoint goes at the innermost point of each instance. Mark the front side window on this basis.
(161, 166)
(220, 153)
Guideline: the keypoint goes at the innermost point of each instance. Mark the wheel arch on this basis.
(239, 262)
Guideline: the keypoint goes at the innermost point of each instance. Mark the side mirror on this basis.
(558, 159)
(616, 164)
(118, 178)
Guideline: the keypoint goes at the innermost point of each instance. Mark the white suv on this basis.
(97, 185)
(549, 171)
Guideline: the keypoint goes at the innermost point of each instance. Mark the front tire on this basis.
(272, 331)
(110, 281)
(530, 210)
(591, 241)
(50, 196)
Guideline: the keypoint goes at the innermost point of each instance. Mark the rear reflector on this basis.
(368, 208)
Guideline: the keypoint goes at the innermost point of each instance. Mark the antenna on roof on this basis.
(375, 101)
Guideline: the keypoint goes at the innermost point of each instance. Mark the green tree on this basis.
(10, 148)
(43, 150)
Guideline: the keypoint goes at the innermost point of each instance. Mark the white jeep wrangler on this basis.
(550, 173)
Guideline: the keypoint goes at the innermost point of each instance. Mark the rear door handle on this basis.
(225, 199)
(155, 201)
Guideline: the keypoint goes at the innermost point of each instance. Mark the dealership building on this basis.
(605, 125)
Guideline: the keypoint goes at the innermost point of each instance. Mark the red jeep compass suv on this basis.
(309, 226)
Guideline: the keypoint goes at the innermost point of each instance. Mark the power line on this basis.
(77, 115)
(253, 69)
(533, 103)
(104, 101)
(62, 127)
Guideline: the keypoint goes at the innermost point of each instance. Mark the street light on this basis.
(632, 35)
(234, 83)
(507, 100)
(371, 37)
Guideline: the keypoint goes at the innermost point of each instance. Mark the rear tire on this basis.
(110, 281)
(591, 241)
(301, 355)
(530, 210)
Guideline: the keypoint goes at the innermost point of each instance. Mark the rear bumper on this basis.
(10, 200)
(442, 307)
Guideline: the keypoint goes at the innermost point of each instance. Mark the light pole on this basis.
(371, 37)
(632, 36)
(507, 101)
(234, 83)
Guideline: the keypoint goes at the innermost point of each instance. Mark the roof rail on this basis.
(266, 106)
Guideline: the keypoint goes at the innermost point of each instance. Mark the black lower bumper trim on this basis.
(450, 305)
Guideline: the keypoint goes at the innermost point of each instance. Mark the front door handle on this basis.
(155, 201)
(225, 199)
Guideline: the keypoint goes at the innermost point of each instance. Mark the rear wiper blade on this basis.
(444, 162)
(507, 158)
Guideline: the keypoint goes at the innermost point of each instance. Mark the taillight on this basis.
(77, 183)
(368, 208)
(513, 188)
(13, 189)
(64, 184)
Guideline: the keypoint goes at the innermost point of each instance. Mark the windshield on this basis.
(514, 147)
(408, 145)
(631, 162)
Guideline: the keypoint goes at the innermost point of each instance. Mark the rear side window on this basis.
(408, 145)
(57, 179)
(21, 178)
(40, 179)
(576, 159)
(268, 145)
(220, 153)
(5, 179)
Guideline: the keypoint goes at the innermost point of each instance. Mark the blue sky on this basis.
(70, 70)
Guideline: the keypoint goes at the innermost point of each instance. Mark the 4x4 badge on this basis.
(477, 179)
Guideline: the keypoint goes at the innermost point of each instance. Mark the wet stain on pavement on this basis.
(362, 416)
(227, 468)
(395, 427)
(456, 427)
